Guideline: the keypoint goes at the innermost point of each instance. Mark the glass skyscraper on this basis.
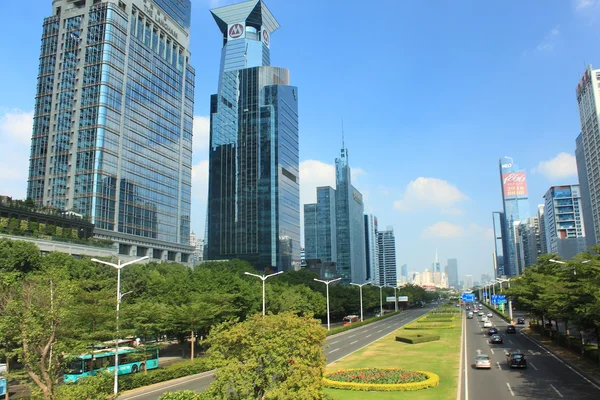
(112, 131)
(372, 250)
(387, 257)
(320, 226)
(349, 209)
(254, 192)
(516, 208)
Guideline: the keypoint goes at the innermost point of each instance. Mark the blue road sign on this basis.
(468, 297)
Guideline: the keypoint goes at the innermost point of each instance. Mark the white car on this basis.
(480, 313)
(483, 361)
(487, 324)
(490, 315)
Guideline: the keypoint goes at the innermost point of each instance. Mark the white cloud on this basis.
(15, 136)
(201, 132)
(560, 167)
(200, 180)
(549, 40)
(314, 173)
(447, 230)
(583, 4)
(430, 193)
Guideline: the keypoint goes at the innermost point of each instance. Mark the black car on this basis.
(492, 331)
(516, 360)
(520, 320)
(496, 339)
(511, 329)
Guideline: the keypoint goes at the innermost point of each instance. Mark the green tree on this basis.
(19, 256)
(271, 357)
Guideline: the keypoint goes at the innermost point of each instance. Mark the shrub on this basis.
(95, 387)
(414, 338)
(429, 326)
(377, 375)
(431, 381)
(182, 395)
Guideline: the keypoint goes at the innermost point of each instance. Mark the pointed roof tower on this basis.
(252, 13)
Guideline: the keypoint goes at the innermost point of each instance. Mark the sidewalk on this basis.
(585, 366)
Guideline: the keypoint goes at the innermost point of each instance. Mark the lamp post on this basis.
(380, 299)
(119, 267)
(360, 286)
(574, 269)
(327, 285)
(263, 278)
(395, 297)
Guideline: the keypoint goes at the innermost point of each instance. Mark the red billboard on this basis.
(514, 184)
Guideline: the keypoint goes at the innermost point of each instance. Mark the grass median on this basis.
(440, 357)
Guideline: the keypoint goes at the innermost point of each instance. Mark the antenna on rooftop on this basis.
(343, 146)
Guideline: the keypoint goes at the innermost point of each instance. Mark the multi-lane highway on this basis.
(337, 347)
(546, 377)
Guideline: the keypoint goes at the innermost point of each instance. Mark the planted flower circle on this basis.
(378, 376)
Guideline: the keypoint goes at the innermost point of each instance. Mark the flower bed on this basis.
(380, 379)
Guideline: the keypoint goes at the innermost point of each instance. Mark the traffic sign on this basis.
(468, 297)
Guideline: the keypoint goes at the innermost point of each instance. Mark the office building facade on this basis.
(387, 257)
(528, 243)
(515, 201)
(112, 130)
(499, 243)
(349, 209)
(320, 226)
(404, 271)
(588, 148)
(253, 190)
(452, 272)
(371, 249)
(542, 229)
(565, 229)
(584, 190)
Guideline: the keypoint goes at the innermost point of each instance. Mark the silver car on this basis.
(483, 361)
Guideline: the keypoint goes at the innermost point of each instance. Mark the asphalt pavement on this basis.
(338, 346)
(547, 377)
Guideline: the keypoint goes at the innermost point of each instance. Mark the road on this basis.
(337, 347)
(546, 377)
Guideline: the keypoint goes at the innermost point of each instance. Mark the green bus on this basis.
(131, 360)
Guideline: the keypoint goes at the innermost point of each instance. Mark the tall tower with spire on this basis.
(254, 183)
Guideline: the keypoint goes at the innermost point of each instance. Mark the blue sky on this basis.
(431, 93)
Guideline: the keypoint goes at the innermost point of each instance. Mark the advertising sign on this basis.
(514, 184)
(236, 31)
(389, 299)
(266, 37)
(400, 298)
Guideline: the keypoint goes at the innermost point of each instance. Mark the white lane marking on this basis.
(368, 336)
(563, 363)
(351, 336)
(510, 389)
(356, 341)
(334, 342)
(379, 330)
(556, 390)
(498, 364)
(331, 351)
(492, 350)
(533, 366)
(510, 341)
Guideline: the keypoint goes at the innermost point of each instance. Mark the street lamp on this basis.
(327, 285)
(119, 267)
(395, 296)
(360, 285)
(380, 298)
(574, 269)
(263, 278)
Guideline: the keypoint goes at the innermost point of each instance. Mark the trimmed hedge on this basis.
(173, 371)
(413, 338)
(341, 329)
(435, 319)
(431, 381)
(429, 326)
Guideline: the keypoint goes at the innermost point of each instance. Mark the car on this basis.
(520, 320)
(483, 361)
(490, 315)
(480, 313)
(511, 329)
(493, 331)
(487, 324)
(516, 360)
(468, 308)
(475, 309)
(458, 305)
(470, 315)
(496, 339)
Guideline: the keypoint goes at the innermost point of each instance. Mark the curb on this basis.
(132, 393)
(591, 379)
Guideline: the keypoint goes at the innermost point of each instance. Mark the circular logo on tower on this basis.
(236, 30)
(265, 35)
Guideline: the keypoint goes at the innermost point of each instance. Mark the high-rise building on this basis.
(452, 272)
(499, 244)
(588, 148)
(527, 236)
(404, 271)
(253, 189)
(436, 264)
(387, 257)
(320, 226)
(349, 209)
(198, 245)
(112, 130)
(468, 282)
(565, 230)
(542, 229)
(516, 208)
(584, 189)
(372, 249)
